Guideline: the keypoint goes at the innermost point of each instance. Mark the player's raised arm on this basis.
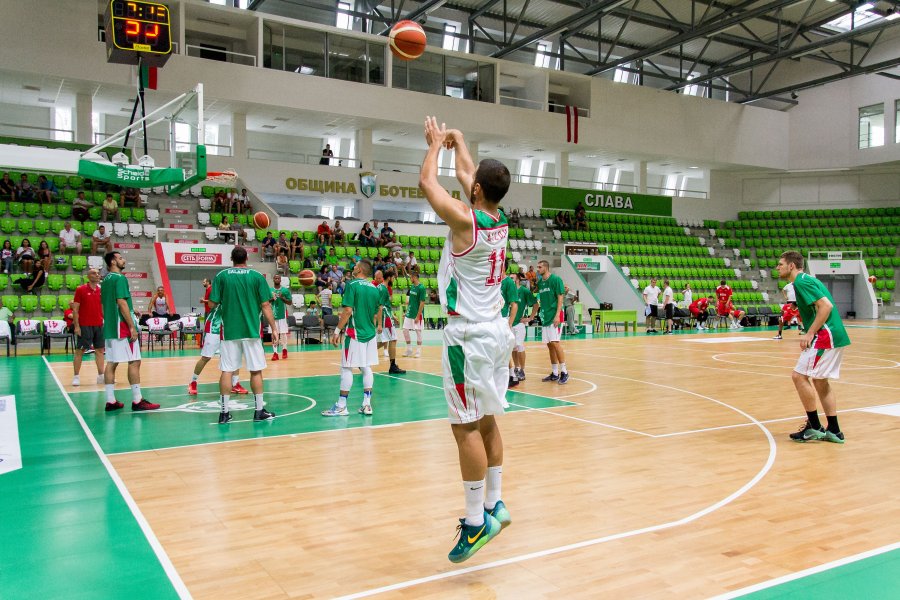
(453, 212)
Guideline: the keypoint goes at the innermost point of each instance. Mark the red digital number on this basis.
(132, 28)
(152, 32)
(497, 260)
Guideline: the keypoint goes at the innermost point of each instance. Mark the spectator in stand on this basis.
(688, 295)
(411, 264)
(81, 208)
(281, 263)
(514, 219)
(231, 201)
(224, 225)
(32, 283)
(24, 190)
(69, 238)
(295, 247)
(321, 254)
(7, 188)
(353, 260)
(323, 234)
(282, 243)
(327, 154)
(238, 228)
(25, 256)
(101, 239)
(531, 277)
(325, 299)
(335, 275)
(219, 202)
(6, 257)
(699, 310)
(338, 236)
(111, 208)
(367, 236)
(244, 202)
(268, 245)
(332, 258)
(132, 195)
(47, 191)
(399, 264)
(308, 262)
(581, 219)
(160, 306)
(386, 235)
(322, 278)
(44, 256)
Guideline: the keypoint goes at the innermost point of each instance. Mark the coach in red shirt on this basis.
(87, 316)
(323, 234)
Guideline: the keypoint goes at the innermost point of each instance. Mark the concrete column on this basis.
(239, 136)
(365, 152)
(640, 176)
(562, 168)
(84, 133)
(473, 150)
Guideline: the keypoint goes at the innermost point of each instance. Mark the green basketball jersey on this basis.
(416, 299)
(113, 287)
(214, 320)
(365, 299)
(509, 294)
(241, 292)
(278, 306)
(385, 298)
(549, 291)
(526, 301)
(809, 289)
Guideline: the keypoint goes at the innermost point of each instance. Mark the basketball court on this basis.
(662, 469)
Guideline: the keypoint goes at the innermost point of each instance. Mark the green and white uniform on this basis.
(212, 340)
(509, 294)
(117, 345)
(388, 329)
(526, 301)
(549, 290)
(240, 292)
(360, 342)
(416, 299)
(477, 339)
(822, 360)
(278, 307)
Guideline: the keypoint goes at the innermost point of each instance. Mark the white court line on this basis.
(593, 542)
(845, 367)
(160, 552)
(806, 572)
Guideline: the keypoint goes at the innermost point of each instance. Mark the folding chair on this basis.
(55, 329)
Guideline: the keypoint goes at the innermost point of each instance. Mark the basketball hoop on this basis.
(224, 178)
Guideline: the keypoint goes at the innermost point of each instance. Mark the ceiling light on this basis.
(46, 100)
(529, 156)
(401, 133)
(538, 149)
(608, 165)
(664, 164)
(32, 88)
(283, 119)
(385, 140)
(693, 167)
(621, 159)
(503, 145)
(268, 126)
(591, 156)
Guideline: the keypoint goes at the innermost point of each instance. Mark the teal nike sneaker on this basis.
(500, 513)
(472, 538)
(834, 438)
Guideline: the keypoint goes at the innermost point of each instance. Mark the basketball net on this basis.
(224, 178)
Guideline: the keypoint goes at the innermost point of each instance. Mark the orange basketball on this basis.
(261, 220)
(407, 40)
(872, 279)
(306, 277)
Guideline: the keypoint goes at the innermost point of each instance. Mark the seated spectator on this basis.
(101, 240)
(308, 263)
(25, 256)
(224, 225)
(353, 260)
(111, 208)
(321, 253)
(337, 233)
(531, 277)
(514, 218)
(332, 258)
(282, 243)
(241, 237)
(367, 236)
(7, 188)
(314, 311)
(322, 278)
(411, 264)
(581, 221)
(295, 247)
(32, 283)
(281, 263)
(231, 200)
(7, 255)
(335, 275)
(268, 245)
(132, 195)
(399, 264)
(219, 202)
(244, 202)
(386, 234)
(69, 238)
(160, 307)
(47, 191)
(390, 242)
(24, 190)
(81, 208)
(323, 234)
(44, 256)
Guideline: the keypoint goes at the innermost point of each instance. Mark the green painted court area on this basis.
(297, 401)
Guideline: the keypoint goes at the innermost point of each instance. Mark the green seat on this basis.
(8, 226)
(4, 281)
(48, 210)
(95, 213)
(62, 262)
(125, 214)
(294, 266)
(99, 197)
(308, 299)
(140, 215)
(48, 301)
(53, 242)
(29, 302)
(25, 226)
(295, 283)
(41, 226)
(11, 302)
(32, 210)
(79, 263)
(215, 218)
(73, 281)
(16, 209)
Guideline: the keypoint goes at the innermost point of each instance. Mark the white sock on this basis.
(342, 401)
(136, 392)
(259, 401)
(562, 368)
(195, 377)
(235, 380)
(223, 400)
(474, 502)
(555, 369)
(512, 371)
(110, 393)
(494, 475)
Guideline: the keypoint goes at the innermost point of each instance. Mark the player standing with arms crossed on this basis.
(477, 340)
(87, 323)
(413, 318)
(549, 305)
(243, 294)
(822, 348)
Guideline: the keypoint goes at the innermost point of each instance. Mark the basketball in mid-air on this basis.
(407, 40)
(872, 279)
(306, 277)
(261, 220)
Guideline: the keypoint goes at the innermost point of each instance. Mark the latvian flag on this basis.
(572, 124)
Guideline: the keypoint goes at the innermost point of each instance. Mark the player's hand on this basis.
(454, 137)
(132, 334)
(434, 134)
(556, 321)
(379, 329)
(806, 341)
(336, 338)
(78, 330)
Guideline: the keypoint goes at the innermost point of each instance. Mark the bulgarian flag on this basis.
(571, 124)
(148, 77)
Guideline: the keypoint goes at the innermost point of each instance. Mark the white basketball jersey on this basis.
(789, 293)
(469, 282)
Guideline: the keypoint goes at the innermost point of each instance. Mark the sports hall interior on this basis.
(663, 468)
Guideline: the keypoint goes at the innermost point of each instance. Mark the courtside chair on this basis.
(28, 330)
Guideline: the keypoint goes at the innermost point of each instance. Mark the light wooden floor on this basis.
(673, 476)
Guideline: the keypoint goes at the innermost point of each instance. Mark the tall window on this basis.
(344, 20)
(182, 137)
(871, 126)
(62, 120)
(542, 56)
(623, 75)
(451, 42)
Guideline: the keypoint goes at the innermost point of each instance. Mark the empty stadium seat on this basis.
(135, 229)
(120, 229)
(152, 215)
(150, 230)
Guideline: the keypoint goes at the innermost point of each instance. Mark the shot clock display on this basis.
(136, 29)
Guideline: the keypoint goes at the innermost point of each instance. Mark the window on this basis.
(694, 89)
(542, 56)
(182, 137)
(344, 20)
(624, 75)
(451, 42)
(871, 126)
(897, 121)
(62, 123)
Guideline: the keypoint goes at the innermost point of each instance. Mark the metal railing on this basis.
(602, 185)
(235, 57)
(522, 102)
(538, 179)
(49, 132)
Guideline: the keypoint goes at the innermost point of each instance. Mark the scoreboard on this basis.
(138, 30)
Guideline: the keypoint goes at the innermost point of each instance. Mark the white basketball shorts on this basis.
(519, 335)
(211, 344)
(412, 324)
(233, 352)
(122, 350)
(820, 363)
(356, 354)
(550, 334)
(282, 325)
(388, 332)
(475, 361)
